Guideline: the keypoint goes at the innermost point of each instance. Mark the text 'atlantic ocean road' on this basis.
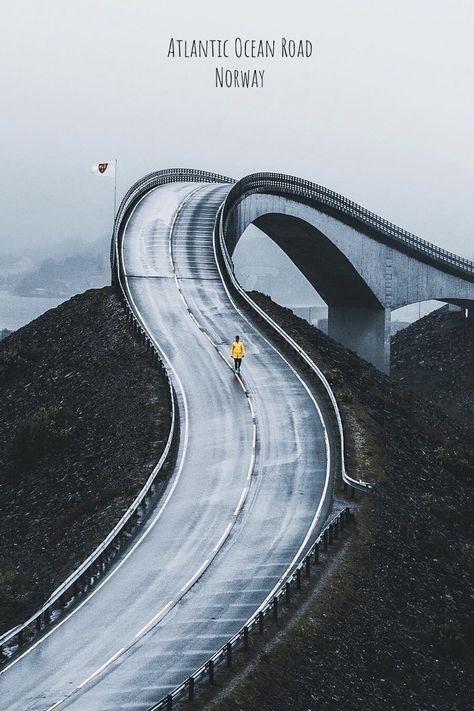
(239, 49)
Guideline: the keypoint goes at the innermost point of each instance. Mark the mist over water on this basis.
(380, 112)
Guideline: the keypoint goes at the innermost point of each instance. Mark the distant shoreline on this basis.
(17, 311)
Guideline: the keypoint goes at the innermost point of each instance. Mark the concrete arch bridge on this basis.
(363, 266)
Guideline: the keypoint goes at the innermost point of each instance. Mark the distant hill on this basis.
(66, 276)
(435, 357)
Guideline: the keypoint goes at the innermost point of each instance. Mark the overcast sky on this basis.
(382, 112)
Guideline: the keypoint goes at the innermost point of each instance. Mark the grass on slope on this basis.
(394, 627)
(84, 418)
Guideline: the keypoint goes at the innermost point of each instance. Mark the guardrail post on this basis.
(287, 593)
(260, 622)
(308, 566)
(191, 688)
(169, 702)
(325, 541)
(336, 529)
(298, 578)
(210, 669)
(228, 649)
(316, 553)
(275, 608)
(246, 637)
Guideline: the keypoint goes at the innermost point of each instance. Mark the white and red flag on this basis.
(106, 169)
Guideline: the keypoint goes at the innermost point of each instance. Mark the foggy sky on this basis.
(382, 112)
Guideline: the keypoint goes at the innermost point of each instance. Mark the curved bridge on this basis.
(253, 483)
(363, 266)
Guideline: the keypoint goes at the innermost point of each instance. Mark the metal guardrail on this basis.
(319, 196)
(221, 240)
(83, 579)
(256, 623)
(143, 186)
(136, 193)
(96, 565)
(87, 574)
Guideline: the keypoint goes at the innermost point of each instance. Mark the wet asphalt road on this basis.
(250, 476)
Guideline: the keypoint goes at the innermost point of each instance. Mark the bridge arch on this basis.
(360, 273)
(378, 266)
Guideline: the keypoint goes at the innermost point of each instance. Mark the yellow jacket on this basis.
(237, 349)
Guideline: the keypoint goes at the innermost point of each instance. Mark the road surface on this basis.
(251, 487)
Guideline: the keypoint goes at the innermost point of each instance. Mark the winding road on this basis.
(251, 488)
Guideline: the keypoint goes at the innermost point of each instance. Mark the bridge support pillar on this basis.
(364, 330)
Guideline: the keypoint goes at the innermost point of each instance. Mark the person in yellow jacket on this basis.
(237, 352)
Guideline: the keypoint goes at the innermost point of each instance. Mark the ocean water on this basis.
(17, 311)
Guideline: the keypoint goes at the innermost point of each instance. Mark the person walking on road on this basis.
(237, 352)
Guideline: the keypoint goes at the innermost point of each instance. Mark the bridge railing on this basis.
(147, 183)
(222, 245)
(285, 185)
(98, 563)
(270, 608)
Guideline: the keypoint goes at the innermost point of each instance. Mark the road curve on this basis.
(252, 484)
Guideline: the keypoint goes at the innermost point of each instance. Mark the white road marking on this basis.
(244, 492)
(252, 464)
(158, 515)
(101, 669)
(222, 538)
(241, 500)
(240, 381)
(251, 406)
(195, 576)
(55, 706)
(318, 409)
(153, 619)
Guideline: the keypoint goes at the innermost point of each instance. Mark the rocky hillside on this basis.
(84, 418)
(435, 357)
(394, 628)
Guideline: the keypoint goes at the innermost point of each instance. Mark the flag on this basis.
(105, 169)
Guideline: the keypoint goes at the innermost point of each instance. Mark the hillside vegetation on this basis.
(84, 418)
(393, 629)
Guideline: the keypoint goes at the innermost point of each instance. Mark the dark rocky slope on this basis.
(84, 418)
(435, 357)
(394, 628)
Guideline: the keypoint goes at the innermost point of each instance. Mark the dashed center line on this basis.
(55, 706)
(222, 538)
(196, 575)
(101, 669)
(241, 500)
(154, 619)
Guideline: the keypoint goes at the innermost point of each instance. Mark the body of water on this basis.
(17, 311)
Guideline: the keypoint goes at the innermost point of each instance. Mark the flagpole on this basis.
(115, 190)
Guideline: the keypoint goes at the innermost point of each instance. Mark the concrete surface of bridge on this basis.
(360, 273)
